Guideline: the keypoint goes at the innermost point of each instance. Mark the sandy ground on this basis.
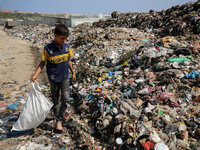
(18, 63)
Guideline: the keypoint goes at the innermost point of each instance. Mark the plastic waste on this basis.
(175, 43)
(144, 91)
(4, 120)
(3, 104)
(171, 129)
(161, 146)
(154, 137)
(178, 59)
(12, 106)
(192, 75)
(148, 145)
(33, 145)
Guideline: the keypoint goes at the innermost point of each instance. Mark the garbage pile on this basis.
(134, 89)
(145, 97)
(39, 35)
(177, 20)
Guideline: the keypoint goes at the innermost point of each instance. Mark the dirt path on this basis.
(18, 61)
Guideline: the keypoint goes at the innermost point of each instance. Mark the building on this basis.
(51, 21)
(9, 11)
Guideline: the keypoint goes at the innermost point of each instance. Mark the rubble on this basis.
(177, 20)
(39, 35)
(135, 88)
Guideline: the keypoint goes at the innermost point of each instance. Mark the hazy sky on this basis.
(88, 6)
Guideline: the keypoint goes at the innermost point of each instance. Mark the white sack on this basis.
(35, 110)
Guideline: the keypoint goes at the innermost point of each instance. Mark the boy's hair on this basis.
(61, 29)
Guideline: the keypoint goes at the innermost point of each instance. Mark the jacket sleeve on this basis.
(45, 55)
(70, 53)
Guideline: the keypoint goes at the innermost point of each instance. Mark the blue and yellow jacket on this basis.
(57, 61)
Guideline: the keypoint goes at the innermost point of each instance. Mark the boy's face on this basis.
(60, 39)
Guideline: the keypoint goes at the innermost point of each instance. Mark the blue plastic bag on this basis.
(192, 75)
(12, 106)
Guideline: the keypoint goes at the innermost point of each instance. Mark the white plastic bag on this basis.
(161, 146)
(35, 110)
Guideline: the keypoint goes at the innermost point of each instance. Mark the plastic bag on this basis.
(192, 75)
(161, 146)
(12, 106)
(154, 137)
(178, 59)
(148, 145)
(35, 110)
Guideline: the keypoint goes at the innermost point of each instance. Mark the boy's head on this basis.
(61, 29)
(61, 33)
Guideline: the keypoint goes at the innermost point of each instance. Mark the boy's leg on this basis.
(64, 85)
(55, 97)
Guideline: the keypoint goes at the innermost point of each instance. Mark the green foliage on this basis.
(34, 16)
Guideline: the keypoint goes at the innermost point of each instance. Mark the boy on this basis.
(58, 54)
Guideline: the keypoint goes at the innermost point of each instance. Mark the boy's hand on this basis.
(33, 78)
(73, 77)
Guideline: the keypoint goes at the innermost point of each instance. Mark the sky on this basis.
(88, 6)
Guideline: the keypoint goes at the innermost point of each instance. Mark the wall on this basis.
(68, 22)
(24, 22)
(51, 21)
(27, 22)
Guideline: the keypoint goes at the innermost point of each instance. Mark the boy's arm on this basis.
(72, 70)
(40, 67)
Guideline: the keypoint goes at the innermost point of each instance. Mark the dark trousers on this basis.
(60, 105)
